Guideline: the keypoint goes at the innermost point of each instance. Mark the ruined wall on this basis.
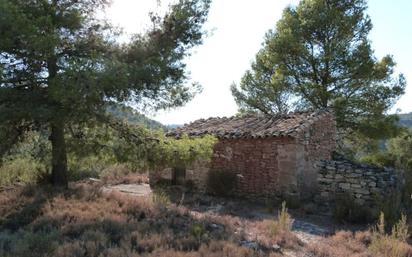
(363, 182)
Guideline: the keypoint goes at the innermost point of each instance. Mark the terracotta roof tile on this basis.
(250, 125)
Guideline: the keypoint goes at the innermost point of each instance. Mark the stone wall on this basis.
(363, 182)
(316, 142)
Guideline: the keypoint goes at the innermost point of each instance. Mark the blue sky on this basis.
(237, 31)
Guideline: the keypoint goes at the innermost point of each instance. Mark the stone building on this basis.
(270, 155)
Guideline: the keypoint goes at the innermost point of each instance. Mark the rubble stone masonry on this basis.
(363, 182)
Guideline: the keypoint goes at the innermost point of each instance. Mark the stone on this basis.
(324, 194)
(361, 181)
(276, 248)
(344, 185)
(362, 191)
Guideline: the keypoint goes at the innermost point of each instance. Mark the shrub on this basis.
(391, 206)
(346, 209)
(160, 198)
(284, 221)
(220, 183)
(23, 170)
(28, 244)
(393, 245)
(342, 244)
(198, 231)
(400, 230)
(278, 231)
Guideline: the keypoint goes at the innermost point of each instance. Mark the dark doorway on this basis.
(179, 176)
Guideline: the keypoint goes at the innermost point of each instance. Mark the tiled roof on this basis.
(251, 125)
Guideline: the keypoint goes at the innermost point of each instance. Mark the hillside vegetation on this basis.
(133, 117)
(405, 119)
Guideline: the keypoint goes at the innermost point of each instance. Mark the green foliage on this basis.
(319, 56)
(379, 159)
(171, 152)
(397, 154)
(131, 116)
(220, 183)
(94, 147)
(198, 231)
(20, 170)
(61, 66)
(400, 149)
(405, 119)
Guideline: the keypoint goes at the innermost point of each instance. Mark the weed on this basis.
(284, 221)
(393, 245)
(400, 230)
(198, 231)
(160, 198)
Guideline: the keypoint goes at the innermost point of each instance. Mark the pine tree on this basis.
(60, 65)
(319, 56)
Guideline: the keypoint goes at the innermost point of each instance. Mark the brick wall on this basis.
(257, 162)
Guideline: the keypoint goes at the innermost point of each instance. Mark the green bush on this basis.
(221, 183)
(22, 170)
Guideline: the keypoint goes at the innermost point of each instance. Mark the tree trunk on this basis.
(59, 157)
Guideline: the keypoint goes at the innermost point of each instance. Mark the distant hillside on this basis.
(173, 126)
(406, 119)
(131, 116)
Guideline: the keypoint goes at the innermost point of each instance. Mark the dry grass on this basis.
(395, 244)
(121, 174)
(278, 231)
(40, 221)
(84, 222)
(342, 244)
(367, 243)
